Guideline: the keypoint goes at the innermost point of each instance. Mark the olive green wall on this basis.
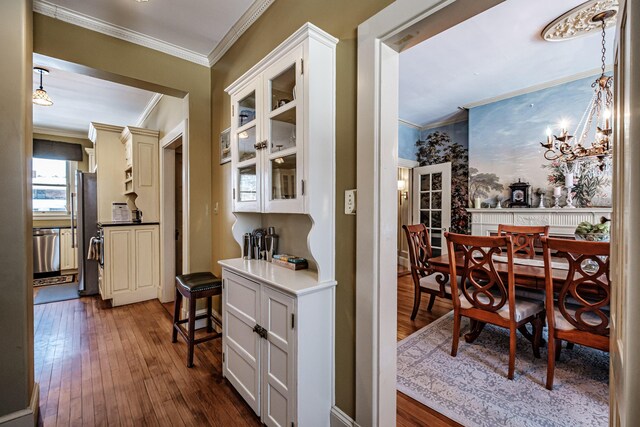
(340, 19)
(16, 303)
(167, 114)
(124, 62)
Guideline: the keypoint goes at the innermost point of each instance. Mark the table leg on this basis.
(476, 328)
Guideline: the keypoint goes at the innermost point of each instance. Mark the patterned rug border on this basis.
(413, 387)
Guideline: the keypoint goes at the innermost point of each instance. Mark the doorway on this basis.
(174, 210)
(432, 202)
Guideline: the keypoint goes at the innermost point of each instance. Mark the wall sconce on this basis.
(402, 186)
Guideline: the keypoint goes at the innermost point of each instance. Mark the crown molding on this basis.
(67, 15)
(571, 78)
(458, 118)
(408, 123)
(132, 130)
(59, 132)
(94, 127)
(149, 108)
(246, 20)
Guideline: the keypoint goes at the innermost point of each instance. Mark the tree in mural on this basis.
(482, 184)
(438, 148)
(588, 183)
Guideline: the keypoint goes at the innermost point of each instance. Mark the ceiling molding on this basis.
(408, 123)
(149, 108)
(67, 15)
(458, 118)
(538, 87)
(60, 132)
(257, 8)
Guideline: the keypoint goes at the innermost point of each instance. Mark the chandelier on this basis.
(561, 147)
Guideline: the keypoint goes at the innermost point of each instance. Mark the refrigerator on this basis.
(86, 227)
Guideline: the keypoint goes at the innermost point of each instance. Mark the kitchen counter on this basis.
(125, 224)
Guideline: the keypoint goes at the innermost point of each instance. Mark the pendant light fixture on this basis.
(40, 96)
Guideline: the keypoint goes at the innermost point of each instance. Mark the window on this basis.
(51, 180)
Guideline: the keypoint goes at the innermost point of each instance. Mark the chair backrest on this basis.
(584, 296)
(419, 248)
(524, 237)
(480, 282)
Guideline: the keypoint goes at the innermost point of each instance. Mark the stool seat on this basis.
(198, 282)
(192, 287)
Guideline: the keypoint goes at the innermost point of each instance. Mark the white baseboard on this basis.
(403, 261)
(27, 417)
(340, 419)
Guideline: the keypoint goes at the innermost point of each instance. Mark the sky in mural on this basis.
(505, 136)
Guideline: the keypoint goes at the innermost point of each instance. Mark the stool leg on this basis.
(192, 330)
(209, 314)
(176, 315)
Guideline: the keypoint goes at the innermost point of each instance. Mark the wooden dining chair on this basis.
(524, 237)
(425, 279)
(483, 297)
(580, 312)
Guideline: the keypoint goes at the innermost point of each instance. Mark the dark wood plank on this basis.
(117, 366)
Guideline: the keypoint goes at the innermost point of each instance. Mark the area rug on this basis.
(473, 388)
(56, 280)
(56, 293)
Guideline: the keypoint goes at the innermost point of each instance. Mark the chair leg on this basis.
(209, 314)
(432, 299)
(192, 330)
(551, 362)
(537, 334)
(512, 351)
(456, 334)
(416, 302)
(176, 315)
(558, 349)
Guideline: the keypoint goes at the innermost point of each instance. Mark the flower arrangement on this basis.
(588, 183)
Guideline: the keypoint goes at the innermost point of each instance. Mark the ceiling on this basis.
(189, 29)
(79, 100)
(497, 53)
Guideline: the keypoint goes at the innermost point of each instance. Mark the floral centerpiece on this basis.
(593, 232)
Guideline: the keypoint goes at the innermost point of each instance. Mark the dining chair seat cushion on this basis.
(563, 324)
(524, 308)
(430, 282)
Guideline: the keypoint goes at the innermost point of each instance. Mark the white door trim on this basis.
(380, 38)
(167, 210)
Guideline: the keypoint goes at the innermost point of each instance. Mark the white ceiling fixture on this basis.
(578, 21)
(494, 55)
(82, 99)
(200, 31)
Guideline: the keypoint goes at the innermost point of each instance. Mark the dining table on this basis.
(529, 274)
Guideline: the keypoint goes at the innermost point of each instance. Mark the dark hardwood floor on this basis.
(117, 366)
(409, 411)
(110, 366)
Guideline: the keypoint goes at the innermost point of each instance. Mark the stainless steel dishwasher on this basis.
(46, 250)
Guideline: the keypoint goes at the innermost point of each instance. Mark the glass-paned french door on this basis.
(432, 202)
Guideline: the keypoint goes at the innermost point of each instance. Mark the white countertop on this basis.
(296, 282)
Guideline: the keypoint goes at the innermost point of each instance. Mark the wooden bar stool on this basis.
(193, 286)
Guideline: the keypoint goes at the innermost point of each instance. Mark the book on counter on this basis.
(291, 262)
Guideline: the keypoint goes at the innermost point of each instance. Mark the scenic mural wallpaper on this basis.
(504, 146)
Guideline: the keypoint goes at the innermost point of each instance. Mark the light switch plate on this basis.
(350, 202)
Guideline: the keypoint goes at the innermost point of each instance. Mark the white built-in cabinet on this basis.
(141, 171)
(278, 341)
(282, 115)
(131, 264)
(68, 253)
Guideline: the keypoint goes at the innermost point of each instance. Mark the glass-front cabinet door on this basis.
(246, 143)
(283, 88)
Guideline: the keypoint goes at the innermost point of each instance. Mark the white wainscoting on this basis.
(561, 222)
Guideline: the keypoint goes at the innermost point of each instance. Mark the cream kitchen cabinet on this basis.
(282, 126)
(68, 253)
(131, 270)
(141, 172)
(277, 341)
